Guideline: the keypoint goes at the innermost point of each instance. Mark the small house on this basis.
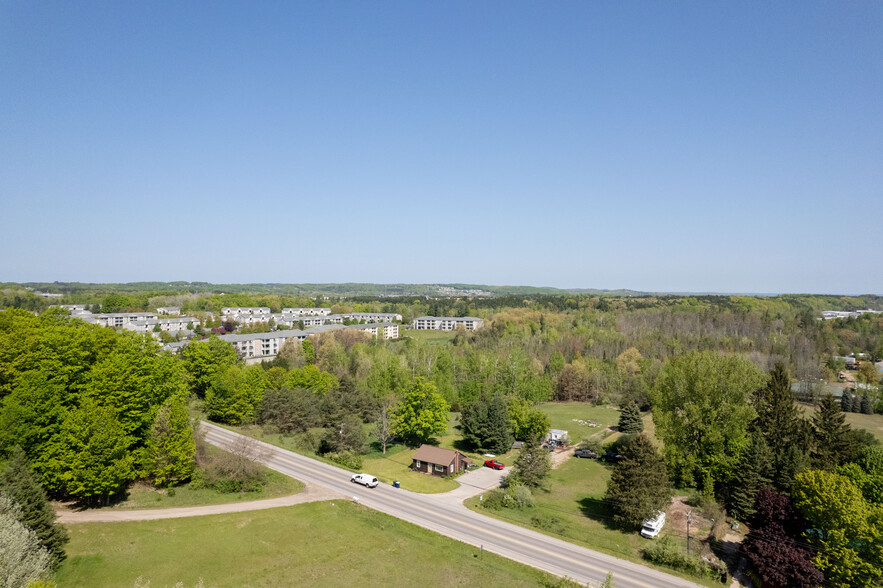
(439, 462)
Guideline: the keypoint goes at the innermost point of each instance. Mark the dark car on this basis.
(587, 453)
(612, 457)
(492, 463)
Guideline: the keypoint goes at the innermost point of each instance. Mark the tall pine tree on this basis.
(831, 440)
(753, 472)
(638, 485)
(779, 421)
(846, 401)
(19, 483)
(866, 406)
(499, 428)
(630, 420)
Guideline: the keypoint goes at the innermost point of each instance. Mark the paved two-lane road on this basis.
(456, 521)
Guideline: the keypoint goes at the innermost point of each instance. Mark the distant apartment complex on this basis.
(835, 314)
(260, 346)
(447, 323)
(169, 325)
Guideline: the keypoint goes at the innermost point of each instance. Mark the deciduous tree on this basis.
(701, 410)
(171, 450)
(421, 414)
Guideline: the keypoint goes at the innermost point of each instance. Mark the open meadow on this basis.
(331, 543)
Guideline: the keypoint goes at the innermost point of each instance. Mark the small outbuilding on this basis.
(439, 462)
(556, 436)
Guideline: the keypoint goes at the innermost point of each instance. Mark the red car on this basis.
(492, 463)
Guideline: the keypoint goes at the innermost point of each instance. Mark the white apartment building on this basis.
(307, 311)
(168, 310)
(170, 325)
(375, 317)
(447, 323)
(119, 319)
(235, 312)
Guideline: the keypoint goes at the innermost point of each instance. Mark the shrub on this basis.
(592, 444)
(346, 459)
(512, 496)
(666, 552)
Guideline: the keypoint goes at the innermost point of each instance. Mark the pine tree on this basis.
(752, 473)
(846, 401)
(630, 420)
(830, 434)
(792, 463)
(867, 407)
(533, 464)
(499, 428)
(638, 485)
(778, 420)
(474, 424)
(171, 449)
(19, 483)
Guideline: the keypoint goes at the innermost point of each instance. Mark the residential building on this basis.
(170, 325)
(168, 310)
(439, 462)
(447, 323)
(119, 319)
(306, 311)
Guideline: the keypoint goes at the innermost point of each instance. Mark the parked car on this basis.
(651, 527)
(612, 457)
(365, 480)
(492, 463)
(587, 453)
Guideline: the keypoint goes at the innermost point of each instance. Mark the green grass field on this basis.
(141, 496)
(433, 337)
(317, 544)
(873, 423)
(573, 510)
(562, 415)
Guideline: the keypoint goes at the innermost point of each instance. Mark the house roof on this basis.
(432, 454)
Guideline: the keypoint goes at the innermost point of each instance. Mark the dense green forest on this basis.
(91, 409)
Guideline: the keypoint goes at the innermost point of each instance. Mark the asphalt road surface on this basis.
(458, 522)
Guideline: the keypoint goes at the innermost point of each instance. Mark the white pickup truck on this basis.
(365, 480)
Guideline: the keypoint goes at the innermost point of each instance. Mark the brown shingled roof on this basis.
(432, 454)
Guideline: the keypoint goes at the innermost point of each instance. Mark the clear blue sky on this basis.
(664, 146)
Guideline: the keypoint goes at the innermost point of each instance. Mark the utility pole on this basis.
(689, 517)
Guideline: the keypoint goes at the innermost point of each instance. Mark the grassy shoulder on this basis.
(572, 508)
(325, 543)
(144, 496)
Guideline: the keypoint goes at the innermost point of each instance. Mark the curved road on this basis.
(457, 522)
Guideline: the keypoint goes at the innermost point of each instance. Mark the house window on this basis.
(417, 463)
(439, 468)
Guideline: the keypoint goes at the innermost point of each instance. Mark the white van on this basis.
(365, 480)
(651, 527)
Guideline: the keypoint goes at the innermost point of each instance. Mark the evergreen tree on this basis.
(792, 463)
(779, 422)
(866, 406)
(474, 424)
(499, 428)
(533, 464)
(23, 561)
(630, 420)
(171, 449)
(638, 485)
(831, 441)
(19, 483)
(846, 401)
(754, 472)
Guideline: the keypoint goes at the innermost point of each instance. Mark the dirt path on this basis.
(311, 493)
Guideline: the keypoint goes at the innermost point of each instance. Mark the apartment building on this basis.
(235, 312)
(168, 310)
(447, 323)
(170, 325)
(118, 319)
(307, 311)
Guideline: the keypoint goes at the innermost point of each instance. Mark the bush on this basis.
(666, 552)
(346, 459)
(547, 523)
(512, 496)
(228, 472)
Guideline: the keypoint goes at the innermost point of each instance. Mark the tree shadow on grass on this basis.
(597, 510)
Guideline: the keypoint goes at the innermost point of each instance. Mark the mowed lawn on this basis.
(566, 415)
(573, 509)
(331, 543)
(873, 423)
(141, 496)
